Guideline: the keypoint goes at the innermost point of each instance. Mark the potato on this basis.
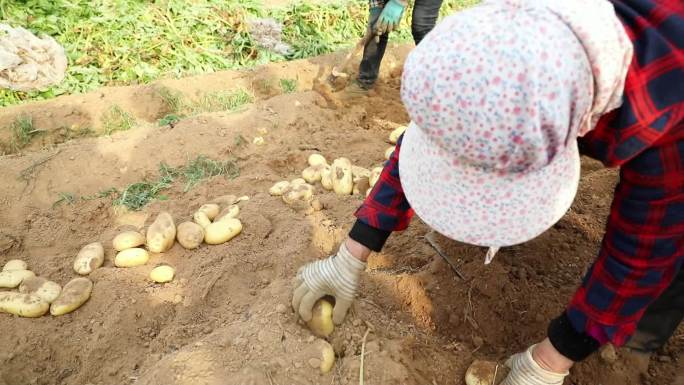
(15, 264)
(201, 218)
(222, 231)
(297, 181)
(480, 373)
(389, 152)
(321, 323)
(312, 174)
(211, 209)
(161, 233)
(341, 174)
(279, 188)
(74, 294)
(361, 185)
(394, 135)
(231, 211)
(326, 179)
(359, 172)
(374, 176)
(317, 159)
(162, 274)
(327, 356)
(131, 257)
(300, 192)
(48, 291)
(91, 257)
(12, 278)
(23, 305)
(127, 240)
(190, 235)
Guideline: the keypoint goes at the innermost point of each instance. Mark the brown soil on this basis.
(226, 318)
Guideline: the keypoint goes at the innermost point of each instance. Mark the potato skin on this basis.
(131, 257)
(23, 305)
(211, 209)
(231, 211)
(162, 274)
(128, 240)
(73, 295)
(15, 264)
(162, 233)
(201, 218)
(317, 159)
(222, 231)
(342, 179)
(321, 323)
(279, 188)
(48, 291)
(190, 235)
(12, 278)
(89, 258)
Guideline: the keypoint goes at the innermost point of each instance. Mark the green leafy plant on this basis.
(169, 119)
(22, 132)
(288, 85)
(223, 101)
(116, 119)
(202, 168)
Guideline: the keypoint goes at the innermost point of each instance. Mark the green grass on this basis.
(116, 119)
(222, 101)
(202, 168)
(22, 132)
(64, 197)
(169, 119)
(121, 42)
(174, 101)
(288, 86)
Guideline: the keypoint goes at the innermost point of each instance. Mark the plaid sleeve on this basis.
(643, 247)
(386, 207)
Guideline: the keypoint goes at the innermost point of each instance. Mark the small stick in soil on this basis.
(363, 353)
(496, 369)
(26, 173)
(433, 244)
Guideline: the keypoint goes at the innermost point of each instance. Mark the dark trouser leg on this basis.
(661, 319)
(425, 14)
(372, 57)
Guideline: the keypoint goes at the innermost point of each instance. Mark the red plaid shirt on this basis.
(643, 247)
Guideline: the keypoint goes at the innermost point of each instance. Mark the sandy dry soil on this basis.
(220, 321)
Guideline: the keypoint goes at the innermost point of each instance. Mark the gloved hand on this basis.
(390, 17)
(337, 275)
(526, 371)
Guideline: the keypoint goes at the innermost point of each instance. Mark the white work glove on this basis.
(526, 371)
(337, 275)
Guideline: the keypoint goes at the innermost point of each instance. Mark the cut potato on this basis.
(131, 257)
(91, 256)
(299, 192)
(12, 278)
(394, 135)
(15, 264)
(326, 179)
(342, 179)
(222, 231)
(374, 176)
(23, 305)
(321, 323)
(231, 211)
(162, 274)
(74, 294)
(361, 185)
(48, 291)
(211, 209)
(389, 152)
(316, 160)
(161, 233)
(201, 219)
(190, 235)
(127, 240)
(312, 174)
(279, 188)
(480, 373)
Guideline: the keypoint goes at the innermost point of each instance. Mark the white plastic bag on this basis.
(27, 62)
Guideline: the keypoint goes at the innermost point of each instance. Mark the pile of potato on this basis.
(37, 295)
(341, 177)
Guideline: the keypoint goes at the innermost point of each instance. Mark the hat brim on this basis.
(484, 208)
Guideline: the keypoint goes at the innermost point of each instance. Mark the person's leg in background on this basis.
(372, 54)
(425, 14)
